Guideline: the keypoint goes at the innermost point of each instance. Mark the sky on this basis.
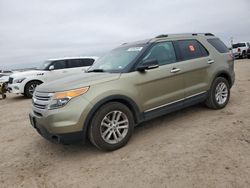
(32, 31)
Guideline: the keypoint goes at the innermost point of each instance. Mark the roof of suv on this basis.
(171, 36)
(75, 57)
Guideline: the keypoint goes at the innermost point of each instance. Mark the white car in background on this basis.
(240, 50)
(26, 82)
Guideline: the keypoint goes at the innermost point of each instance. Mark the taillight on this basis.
(239, 50)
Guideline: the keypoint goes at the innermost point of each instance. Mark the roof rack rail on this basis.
(209, 34)
(161, 36)
(193, 34)
(206, 34)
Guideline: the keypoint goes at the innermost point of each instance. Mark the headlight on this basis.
(60, 99)
(18, 81)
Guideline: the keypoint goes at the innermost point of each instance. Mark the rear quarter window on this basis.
(218, 45)
(191, 49)
(73, 63)
(88, 62)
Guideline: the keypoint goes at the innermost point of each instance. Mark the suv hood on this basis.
(77, 81)
(27, 73)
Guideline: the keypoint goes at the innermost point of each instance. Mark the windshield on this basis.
(44, 66)
(117, 60)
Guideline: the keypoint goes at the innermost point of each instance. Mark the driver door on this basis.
(162, 87)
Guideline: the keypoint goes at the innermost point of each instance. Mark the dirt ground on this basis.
(194, 147)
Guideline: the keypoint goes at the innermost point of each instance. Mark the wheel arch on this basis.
(25, 86)
(37, 80)
(138, 117)
(225, 75)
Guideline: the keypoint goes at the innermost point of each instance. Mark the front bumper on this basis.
(15, 88)
(66, 138)
(62, 125)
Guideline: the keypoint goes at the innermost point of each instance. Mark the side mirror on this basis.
(51, 67)
(148, 64)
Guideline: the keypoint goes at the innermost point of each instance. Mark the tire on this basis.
(30, 88)
(103, 130)
(221, 89)
(244, 55)
(248, 56)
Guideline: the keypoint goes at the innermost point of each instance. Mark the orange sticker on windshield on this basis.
(191, 48)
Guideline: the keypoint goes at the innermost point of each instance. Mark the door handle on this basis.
(175, 70)
(210, 61)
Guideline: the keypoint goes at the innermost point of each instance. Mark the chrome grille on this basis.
(41, 100)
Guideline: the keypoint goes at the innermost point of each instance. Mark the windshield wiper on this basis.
(96, 70)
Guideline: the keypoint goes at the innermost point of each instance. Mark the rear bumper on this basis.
(66, 138)
(236, 54)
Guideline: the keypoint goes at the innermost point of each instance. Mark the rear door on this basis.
(195, 62)
(79, 65)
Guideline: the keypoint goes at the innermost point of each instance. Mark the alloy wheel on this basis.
(114, 127)
(221, 93)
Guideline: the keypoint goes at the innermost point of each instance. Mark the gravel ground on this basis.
(194, 147)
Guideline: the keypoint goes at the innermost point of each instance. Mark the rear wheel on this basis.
(30, 88)
(244, 55)
(219, 94)
(111, 127)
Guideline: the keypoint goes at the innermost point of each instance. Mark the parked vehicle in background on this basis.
(26, 82)
(240, 50)
(3, 89)
(4, 75)
(5, 72)
(134, 83)
(248, 53)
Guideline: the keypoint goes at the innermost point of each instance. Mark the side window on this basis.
(73, 63)
(248, 45)
(218, 45)
(87, 62)
(80, 62)
(163, 52)
(191, 49)
(59, 64)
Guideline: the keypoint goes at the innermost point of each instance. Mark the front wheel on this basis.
(111, 126)
(30, 88)
(219, 94)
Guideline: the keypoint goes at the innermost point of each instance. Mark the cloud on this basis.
(34, 30)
